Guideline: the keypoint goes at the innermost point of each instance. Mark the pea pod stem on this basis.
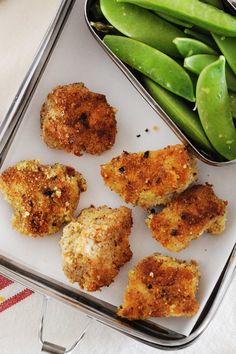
(214, 109)
(152, 63)
(198, 13)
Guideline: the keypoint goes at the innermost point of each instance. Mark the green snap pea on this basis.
(188, 47)
(214, 109)
(232, 99)
(197, 63)
(152, 63)
(181, 114)
(216, 3)
(201, 37)
(138, 23)
(195, 12)
(174, 20)
(228, 48)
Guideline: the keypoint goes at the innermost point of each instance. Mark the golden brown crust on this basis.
(75, 119)
(161, 286)
(44, 197)
(96, 245)
(152, 177)
(187, 216)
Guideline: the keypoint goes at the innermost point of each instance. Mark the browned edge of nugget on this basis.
(75, 119)
(150, 178)
(161, 286)
(95, 245)
(43, 197)
(187, 216)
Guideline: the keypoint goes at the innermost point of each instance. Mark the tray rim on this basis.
(94, 308)
(49, 287)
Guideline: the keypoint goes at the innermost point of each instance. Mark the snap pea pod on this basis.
(188, 47)
(138, 23)
(214, 109)
(228, 48)
(181, 114)
(216, 3)
(174, 20)
(197, 63)
(201, 37)
(232, 99)
(152, 63)
(193, 11)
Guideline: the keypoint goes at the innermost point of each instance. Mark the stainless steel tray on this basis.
(98, 35)
(144, 331)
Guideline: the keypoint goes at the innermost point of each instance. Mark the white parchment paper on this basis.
(77, 58)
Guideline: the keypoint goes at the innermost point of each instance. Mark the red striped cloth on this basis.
(11, 293)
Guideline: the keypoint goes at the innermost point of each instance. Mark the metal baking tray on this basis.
(66, 40)
(204, 156)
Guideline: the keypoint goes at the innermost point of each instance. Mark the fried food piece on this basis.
(75, 119)
(150, 178)
(96, 245)
(43, 197)
(187, 216)
(161, 286)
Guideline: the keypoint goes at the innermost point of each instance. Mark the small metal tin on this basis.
(199, 153)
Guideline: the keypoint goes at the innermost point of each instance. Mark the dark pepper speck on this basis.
(122, 169)
(146, 154)
(48, 192)
(174, 232)
(138, 136)
(149, 286)
(84, 119)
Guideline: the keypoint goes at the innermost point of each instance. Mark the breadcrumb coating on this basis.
(187, 216)
(43, 197)
(161, 286)
(150, 178)
(75, 119)
(96, 245)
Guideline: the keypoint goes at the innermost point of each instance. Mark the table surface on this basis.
(22, 26)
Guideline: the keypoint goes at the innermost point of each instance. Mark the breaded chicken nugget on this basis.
(96, 245)
(187, 216)
(152, 177)
(75, 119)
(161, 286)
(44, 197)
